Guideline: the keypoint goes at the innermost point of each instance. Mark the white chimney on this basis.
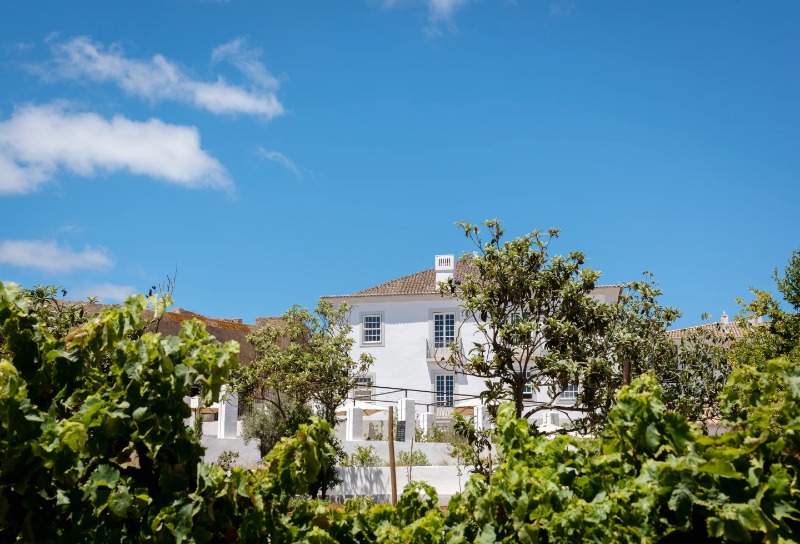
(445, 266)
(723, 318)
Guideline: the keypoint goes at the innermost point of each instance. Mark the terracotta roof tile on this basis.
(714, 329)
(421, 283)
(222, 329)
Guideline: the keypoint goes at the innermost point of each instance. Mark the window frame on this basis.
(432, 326)
(527, 392)
(360, 388)
(570, 393)
(363, 329)
(444, 394)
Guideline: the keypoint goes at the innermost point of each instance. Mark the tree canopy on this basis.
(301, 360)
(95, 448)
(538, 327)
(542, 333)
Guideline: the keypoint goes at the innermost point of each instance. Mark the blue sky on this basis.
(279, 151)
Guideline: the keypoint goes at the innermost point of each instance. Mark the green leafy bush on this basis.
(267, 426)
(227, 460)
(359, 504)
(363, 457)
(415, 458)
(95, 449)
(94, 444)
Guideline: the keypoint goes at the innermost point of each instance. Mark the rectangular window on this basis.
(363, 390)
(527, 393)
(571, 392)
(445, 384)
(372, 329)
(444, 329)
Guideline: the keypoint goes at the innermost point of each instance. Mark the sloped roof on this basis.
(732, 329)
(223, 329)
(422, 283)
(419, 283)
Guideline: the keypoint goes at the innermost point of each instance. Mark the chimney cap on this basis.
(445, 263)
(724, 317)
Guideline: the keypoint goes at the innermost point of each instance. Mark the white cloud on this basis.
(18, 47)
(440, 12)
(38, 141)
(161, 79)
(443, 10)
(50, 257)
(246, 61)
(283, 160)
(561, 8)
(104, 292)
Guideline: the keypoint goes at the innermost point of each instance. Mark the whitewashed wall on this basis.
(376, 482)
(402, 361)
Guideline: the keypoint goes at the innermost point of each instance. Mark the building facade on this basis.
(408, 327)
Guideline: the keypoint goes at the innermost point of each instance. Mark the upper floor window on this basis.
(444, 329)
(372, 329)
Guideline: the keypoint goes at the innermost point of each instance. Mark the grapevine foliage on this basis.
(95, 449)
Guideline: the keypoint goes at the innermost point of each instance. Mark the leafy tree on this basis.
(692, 369)
(778, 336)
(93, 420)
(782, 333)
(104, 455)
(269, 425)
(94, 442)
(539, 330)
(537, 324)
(305, 358)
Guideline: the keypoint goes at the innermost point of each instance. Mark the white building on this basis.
(406, 325)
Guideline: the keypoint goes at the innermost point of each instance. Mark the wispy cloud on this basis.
(246, 60)
(104, 292)
(561, 8)
(162, 79)
(17, 47)
(37, 141)
(440, 12)
(71, 229)
(48, 256)
(443, 10)
(284, 161)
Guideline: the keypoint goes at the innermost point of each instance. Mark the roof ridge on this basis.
(423, 282)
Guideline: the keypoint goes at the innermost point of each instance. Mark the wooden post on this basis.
(489, 480)
(392, 472)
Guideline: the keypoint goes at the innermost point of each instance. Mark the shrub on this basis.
(227, 460)
(416, 458)
(269, 425)
(363, 457)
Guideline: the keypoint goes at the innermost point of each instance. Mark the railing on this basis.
(384, 396)
(435, 351)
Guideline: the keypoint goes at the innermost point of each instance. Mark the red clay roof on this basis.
(714, 329)
(420, 283)
(222, 329)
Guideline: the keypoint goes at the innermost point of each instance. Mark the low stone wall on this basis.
(376, 481)
(436, 452)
